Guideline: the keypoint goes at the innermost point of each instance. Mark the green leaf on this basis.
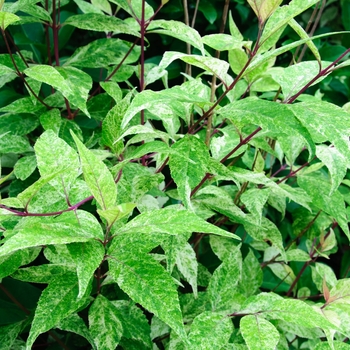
(270, 116)
(258, 333)
(51, 120)
(338, 345)
(55, 155)
(116, 213)
(148, 284)
(105, 326)
(173, 222)
(179, 252)
(66, 228)
(100, 23)
(73, 83)
(7, 19)
(87, 256)
(73, 323)
(319, 191)
(24, 167)
(188, 166)
(102, 53)
(179, 31)
(97, 176)
(60, 298)
(210, 331)
(222, 285)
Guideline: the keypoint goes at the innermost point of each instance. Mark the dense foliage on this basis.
(174, 174)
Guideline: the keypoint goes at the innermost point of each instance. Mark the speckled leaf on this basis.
(10, 263)
(146, 131)
(7, 18)
(179, 31)
(58, 300)
(44, 273)
(254, 199)
(100, 23)
(24, 167)
(103, 52)
(113, 89)
(252, 275)
(267, 232)
(188, 169)
(335, 163)
(178, 251)
(105, 326)
(270, 116)
(66, 228)
(340, 292)
(135, 323)
(222, 42)
(55, 155)
(224, 280)
(9, 334)
(293, 78)
(209, 331)
(149, 98)
(18, 124)
(258, 333)
(279, 20)
(338, 345)
(325, 121)
(318, 189)
(116, 213)
(303, 35)
(73, 323)
(148, 284)
(73, 83)
(87, 257)
(14, 144)
(222, 247)
(97, 176)
(51, 120)
(172, 222)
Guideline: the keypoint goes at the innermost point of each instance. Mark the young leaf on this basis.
(57, 301)
(173, 222)
(24, 167)
(209, 331)
(105, 326)
(7, 19)
(73, 83)
(188, 166)
(258, 333)
(97, 176)
(264, 9)
(148, 284)
(254, 199)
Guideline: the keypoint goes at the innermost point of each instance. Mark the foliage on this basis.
(174, 184)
